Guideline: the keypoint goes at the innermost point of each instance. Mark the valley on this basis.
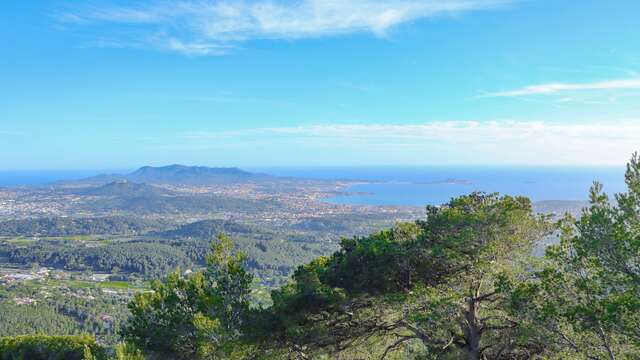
(76, 252)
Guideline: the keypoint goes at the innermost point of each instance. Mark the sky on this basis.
(120, 84)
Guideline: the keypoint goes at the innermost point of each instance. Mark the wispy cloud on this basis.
(472, 131)
(507, 142)
(196, 48)
(554, 88)
(208, 27)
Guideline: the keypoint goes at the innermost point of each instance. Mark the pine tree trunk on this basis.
(473, 331)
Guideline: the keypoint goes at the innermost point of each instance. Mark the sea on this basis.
(391, 185)
(404, 185)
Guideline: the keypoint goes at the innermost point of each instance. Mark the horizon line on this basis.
(317, 166)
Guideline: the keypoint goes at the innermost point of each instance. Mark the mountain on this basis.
(176, 175)
(192, 175)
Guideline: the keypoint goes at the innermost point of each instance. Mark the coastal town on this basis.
(287, 203)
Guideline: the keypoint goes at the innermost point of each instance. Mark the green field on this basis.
(20, 240)
(119, 285)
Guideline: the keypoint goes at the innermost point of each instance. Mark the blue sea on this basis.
(387, 185)
(435, 185)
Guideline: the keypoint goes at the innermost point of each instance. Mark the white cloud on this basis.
(447, 142)
(200, 27)
(553, 88)
(196, 48)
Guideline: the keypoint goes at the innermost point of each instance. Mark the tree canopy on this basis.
(461, 283)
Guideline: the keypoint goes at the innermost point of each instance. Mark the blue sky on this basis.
(117, 84)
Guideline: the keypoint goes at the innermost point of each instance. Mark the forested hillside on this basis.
(67, 226)
(461, 283)
(319, 180)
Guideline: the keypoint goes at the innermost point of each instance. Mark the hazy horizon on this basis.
(258, 168)
(402, 185)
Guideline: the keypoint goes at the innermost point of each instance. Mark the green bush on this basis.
(43, 347)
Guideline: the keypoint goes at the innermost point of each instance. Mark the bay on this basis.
(391, 185)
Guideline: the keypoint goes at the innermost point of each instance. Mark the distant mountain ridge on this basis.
(178, 175)
(191, 174)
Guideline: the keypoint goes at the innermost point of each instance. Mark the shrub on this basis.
(43, 347)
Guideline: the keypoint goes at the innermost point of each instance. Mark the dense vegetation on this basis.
(19, 320)
(65, 347)
(460, 284)
(206, 229)
(150, 260)
(270, 257)
(162, 204)
(61, 308)
(49, 348)
(65, 226)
